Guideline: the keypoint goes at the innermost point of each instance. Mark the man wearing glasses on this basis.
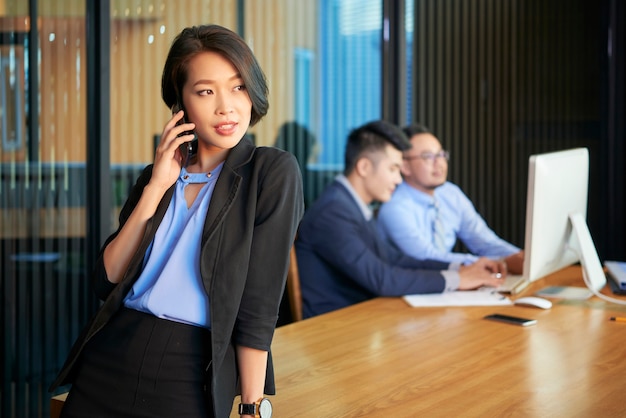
(343, 260)
(427, 214)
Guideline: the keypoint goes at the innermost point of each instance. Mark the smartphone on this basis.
(188, 149)
(515, 320)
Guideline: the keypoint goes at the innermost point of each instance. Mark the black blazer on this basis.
(249, 229)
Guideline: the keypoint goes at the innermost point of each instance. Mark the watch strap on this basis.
(248, 409)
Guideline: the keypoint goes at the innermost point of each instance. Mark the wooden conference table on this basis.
(382, 358)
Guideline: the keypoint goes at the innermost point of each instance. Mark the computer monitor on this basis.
(557, 187)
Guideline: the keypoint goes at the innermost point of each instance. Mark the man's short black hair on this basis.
(372, 137)
(415, 129)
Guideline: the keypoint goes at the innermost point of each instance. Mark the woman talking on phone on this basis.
(193, 277)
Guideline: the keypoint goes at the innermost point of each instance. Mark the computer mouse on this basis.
(534, 301)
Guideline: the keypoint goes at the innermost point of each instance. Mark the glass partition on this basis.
(43, 286)
(322, 61)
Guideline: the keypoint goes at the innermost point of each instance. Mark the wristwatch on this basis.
(260, 409)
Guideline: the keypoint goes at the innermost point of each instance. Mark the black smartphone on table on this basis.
(515, 320)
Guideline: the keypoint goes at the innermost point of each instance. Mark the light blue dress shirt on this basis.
(406, 221)
(170, 285)
(367, 212)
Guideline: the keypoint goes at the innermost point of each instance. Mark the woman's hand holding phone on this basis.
(168, 159)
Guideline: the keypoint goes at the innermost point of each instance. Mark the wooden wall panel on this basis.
(63, 95)
(274, 29)
(139, 45)
(139, 48)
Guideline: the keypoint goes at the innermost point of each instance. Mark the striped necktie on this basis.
(438, 229)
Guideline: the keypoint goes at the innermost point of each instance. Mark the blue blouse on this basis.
(170, 285)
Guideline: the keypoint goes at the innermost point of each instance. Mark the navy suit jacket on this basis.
(342, 260)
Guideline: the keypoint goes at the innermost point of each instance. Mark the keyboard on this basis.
(617, 272)
(514, 283)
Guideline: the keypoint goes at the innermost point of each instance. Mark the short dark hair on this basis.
(372, 137)
(194, 40)
(415, 129)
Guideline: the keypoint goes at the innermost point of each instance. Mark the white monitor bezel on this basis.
(550, 244)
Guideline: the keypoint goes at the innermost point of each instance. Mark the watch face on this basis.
(265, 408)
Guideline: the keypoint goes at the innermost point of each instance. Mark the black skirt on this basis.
(139, 365)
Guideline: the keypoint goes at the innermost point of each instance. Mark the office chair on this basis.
(293, 287)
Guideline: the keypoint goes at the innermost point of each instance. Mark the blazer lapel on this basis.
(224, 194)
(227, 187)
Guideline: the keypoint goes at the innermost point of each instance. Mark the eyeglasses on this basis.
(429, 156)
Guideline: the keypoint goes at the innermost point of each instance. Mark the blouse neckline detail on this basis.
(187, 177)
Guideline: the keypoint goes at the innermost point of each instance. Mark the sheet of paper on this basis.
(481, 297)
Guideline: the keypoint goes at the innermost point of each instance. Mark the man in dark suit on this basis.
(341, 258)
